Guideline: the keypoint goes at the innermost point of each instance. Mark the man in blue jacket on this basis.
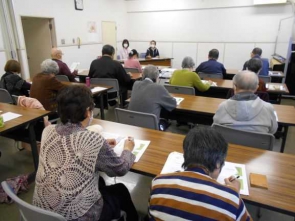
(256, 53)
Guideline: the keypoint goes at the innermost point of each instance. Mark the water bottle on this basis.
(88, 81)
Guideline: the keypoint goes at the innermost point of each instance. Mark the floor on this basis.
(14, 162)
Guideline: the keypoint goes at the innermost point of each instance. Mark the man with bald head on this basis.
(56, 55)
(245, 110)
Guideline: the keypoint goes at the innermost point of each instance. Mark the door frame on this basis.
(115, 46)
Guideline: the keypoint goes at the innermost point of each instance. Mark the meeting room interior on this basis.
(147, 110)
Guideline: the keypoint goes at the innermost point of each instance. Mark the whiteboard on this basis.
(284, 36)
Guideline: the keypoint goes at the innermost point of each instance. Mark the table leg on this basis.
(284, 138)
(33, 145)
(101, 107)
(279, 98)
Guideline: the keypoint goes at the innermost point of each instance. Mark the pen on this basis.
(236, 177)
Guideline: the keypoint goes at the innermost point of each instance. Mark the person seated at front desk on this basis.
(152, 51)
(186, 77)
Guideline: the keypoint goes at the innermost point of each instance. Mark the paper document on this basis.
(214, 84)
(175, 160)
(275, 87)
(138, 150)
(74, 66)
(97, 89)
(10, 116)
(178, 100)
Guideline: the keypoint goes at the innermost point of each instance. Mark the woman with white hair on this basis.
(45, 86)
(186, 76)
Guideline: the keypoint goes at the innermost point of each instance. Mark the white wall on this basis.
(71, 23)
(233, 27)
(3, 58)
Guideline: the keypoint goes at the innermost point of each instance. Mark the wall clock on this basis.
(79, 5)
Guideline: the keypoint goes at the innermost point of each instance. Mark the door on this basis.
(109, 34)
(38, 39)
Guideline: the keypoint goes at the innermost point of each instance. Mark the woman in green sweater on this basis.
(186, 76)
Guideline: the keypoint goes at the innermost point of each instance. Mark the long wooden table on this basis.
(208, 106)
(28, 118)
(154, 61)
(278, 167)
(84, 73)
(272, 74)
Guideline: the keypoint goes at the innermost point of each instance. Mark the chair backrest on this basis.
(246, 138)
(180, 89)
(5, 97)
(62, 78)
(138, 119)
(210, 75)
(131, 70)
(107, 82)
(142, 55)
(29, 212)
(265, 79)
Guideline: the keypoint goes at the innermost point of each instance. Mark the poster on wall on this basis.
(92, 32)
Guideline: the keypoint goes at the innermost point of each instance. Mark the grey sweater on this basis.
(149, 97)
(246, 111)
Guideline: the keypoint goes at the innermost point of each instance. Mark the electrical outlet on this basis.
(63, 41)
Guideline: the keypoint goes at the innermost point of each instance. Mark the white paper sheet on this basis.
(117, 137)
(74, 66)
(82, 70)
(178, 100)
(175, 160)
(96, 89)
(10, 116)
(214, 84)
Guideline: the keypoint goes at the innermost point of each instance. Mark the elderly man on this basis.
(45, 86)
(56, 55)
(245, 110)
(106, 67)
(256, 53)
(149, 97)
(195, 194)
(186, 76)
(212, 66)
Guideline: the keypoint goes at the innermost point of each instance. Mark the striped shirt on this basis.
(193, 195)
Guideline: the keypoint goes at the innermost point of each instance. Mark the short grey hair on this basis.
(49, 67)
(151, 72)
(188, 62)
(246, 80)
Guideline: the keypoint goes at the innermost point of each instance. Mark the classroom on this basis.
(147, 110)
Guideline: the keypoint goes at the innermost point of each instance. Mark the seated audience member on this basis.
(124, 52)
(152, 51)
(71, 158)
(186, 76)
(195, 193)
(132, 61)
(56, 56)
(255, 65)
(212, 66)
(45, 86)
(148, 96)
(106, 67)
(256, 53)
(245, 110)
(12, 82)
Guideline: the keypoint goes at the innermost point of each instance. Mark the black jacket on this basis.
(153, 53)
(14, 84)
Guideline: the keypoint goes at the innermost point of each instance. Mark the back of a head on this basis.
(55, 53)
(49, 67)
(254, 65)
(108, 50)
(151, 72)
(257, 51)
(204, 147)
(246, 81)
(12, 66)
(132, 53)
(214, 53)
(73, 101)
(188, 62)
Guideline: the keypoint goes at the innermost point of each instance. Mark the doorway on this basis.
(109, 34)
(40, 38)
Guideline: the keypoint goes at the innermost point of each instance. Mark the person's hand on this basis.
(148, 57)
(130, 74)
(232, 181)
(112, 142)
(129, 144)
(210, 82)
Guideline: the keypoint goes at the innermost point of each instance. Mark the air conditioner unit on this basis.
(267, 2)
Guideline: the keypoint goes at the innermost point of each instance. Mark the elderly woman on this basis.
(67, 180)
(186, 76)
(195, 194)
(45, 86)
(149, 97)
(12, 82)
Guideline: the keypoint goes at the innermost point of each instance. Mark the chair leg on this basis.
(258, 213)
